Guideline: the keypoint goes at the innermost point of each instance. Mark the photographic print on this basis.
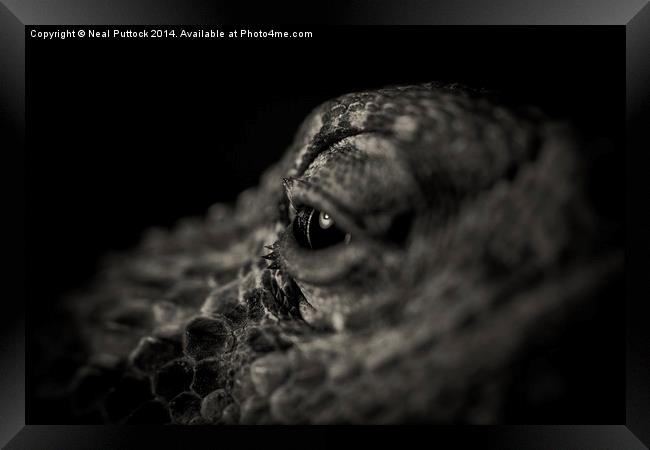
(325, 225)
(242, 226)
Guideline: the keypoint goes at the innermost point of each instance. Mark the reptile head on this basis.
(420, 237)
(377, 180)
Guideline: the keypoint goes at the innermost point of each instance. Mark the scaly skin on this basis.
(470, 236)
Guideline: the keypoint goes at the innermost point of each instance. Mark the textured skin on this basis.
(194, 326)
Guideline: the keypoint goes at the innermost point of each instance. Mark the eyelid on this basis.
(299, 262)
(331, 139)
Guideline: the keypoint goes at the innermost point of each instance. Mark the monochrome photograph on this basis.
(310, 225)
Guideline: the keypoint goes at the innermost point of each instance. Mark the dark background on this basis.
(127, 134)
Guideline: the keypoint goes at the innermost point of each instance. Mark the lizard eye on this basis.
(316, 229)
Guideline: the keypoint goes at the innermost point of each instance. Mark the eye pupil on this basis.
(315, 234)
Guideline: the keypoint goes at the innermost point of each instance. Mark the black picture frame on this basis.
(634, 16)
